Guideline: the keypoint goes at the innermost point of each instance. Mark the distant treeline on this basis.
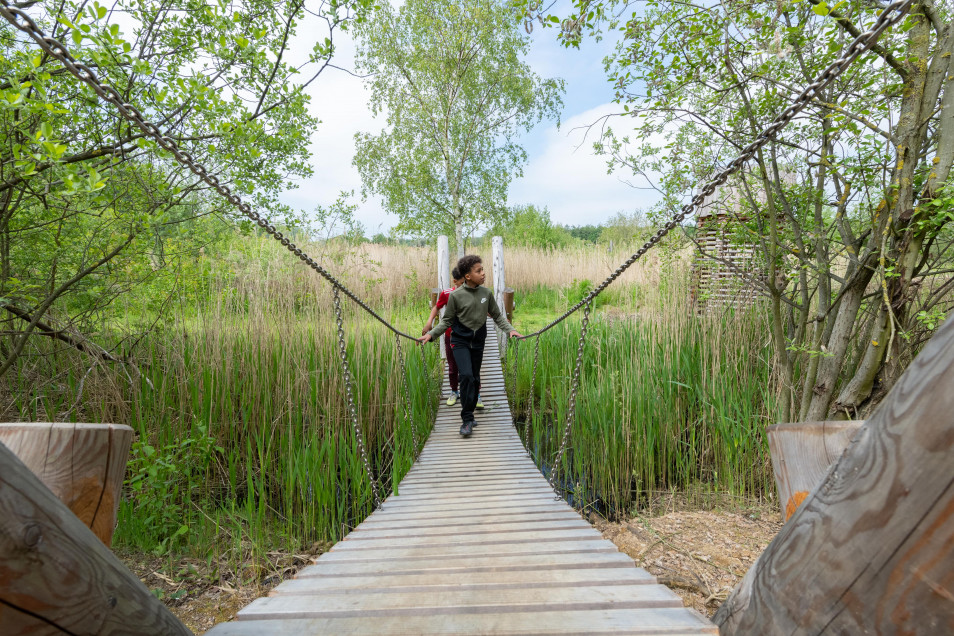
(531, 226)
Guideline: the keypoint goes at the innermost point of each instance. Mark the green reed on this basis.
(244, 436)
(675, 401)
(286, 467)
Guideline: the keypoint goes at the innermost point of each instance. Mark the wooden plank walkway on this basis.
(474, 543)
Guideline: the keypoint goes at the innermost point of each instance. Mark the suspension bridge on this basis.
(474, 540)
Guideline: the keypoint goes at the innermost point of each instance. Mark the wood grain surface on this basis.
(56, 576)
(802, 454)
(82, 464)
(871, 550)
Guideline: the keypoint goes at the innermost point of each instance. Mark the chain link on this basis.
(531, 405)
(892, 14)
(346, 371)
(571, 407)
(427, 375)
(407, 397)
(513, 377)
(57, 50)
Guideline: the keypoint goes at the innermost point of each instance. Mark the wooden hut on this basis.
(725, 264)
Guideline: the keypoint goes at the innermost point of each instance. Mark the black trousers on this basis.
(469, 359)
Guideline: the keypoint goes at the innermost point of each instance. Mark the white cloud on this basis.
(570, 179)
(563, 172)
(341, 101)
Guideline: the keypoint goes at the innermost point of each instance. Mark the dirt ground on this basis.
(201, 594)
(700, 555)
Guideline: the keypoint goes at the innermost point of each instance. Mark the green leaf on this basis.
(821, 8)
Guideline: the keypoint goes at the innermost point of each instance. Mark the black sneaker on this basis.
(467, 428)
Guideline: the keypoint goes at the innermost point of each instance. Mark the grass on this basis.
(245, 433)
(244, 436)
(245, 443)
(667, 400)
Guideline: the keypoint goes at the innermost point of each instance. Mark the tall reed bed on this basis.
(255, 367)
(667, 400)
(529, 267)
(281, 464)
(390, 275)
(245, 440)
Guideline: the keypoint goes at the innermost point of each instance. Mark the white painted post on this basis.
(499, 286)
(443, 276)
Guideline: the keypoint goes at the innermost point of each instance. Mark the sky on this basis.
(562, 174)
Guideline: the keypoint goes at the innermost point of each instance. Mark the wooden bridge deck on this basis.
(475, 543)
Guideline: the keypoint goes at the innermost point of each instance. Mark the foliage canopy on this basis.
(456, 93)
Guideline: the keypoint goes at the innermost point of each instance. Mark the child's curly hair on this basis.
(455, 274)
(467, 263)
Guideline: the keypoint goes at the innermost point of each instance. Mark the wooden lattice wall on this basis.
(726, 267)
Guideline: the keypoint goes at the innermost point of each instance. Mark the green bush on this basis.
(161, 483)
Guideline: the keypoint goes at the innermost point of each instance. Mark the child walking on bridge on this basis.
(466, 314)
(451, 363)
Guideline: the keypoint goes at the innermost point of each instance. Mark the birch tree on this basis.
(450, 79)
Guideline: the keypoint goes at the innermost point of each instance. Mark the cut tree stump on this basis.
(82, 464)
(802, 454)
(871, 550)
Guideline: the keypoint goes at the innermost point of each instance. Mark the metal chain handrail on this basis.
(346, 371)
(513, 377)
(571, 407)
(408, 414)
(427, 376)
(892, 14)
(531, 406)
(22, 21)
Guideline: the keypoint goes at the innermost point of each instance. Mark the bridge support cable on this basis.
(349, 391)
(531, 401)
(22, 21)
(571, 407)
(427, 377)
(890, 15)
(57, 50)
(514, 362)
(406, 402)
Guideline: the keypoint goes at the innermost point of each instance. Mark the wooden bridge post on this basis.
(443, 275)
(58, 577)
(870, 550)
(499, 286)
(82, 464)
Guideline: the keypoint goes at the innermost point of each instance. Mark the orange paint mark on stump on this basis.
(794, 502)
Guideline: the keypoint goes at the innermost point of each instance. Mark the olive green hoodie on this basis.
(469, 306)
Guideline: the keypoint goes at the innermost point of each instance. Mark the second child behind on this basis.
(451, 363)
(466, 314)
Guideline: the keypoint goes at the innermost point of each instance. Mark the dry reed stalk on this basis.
(529, 267)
